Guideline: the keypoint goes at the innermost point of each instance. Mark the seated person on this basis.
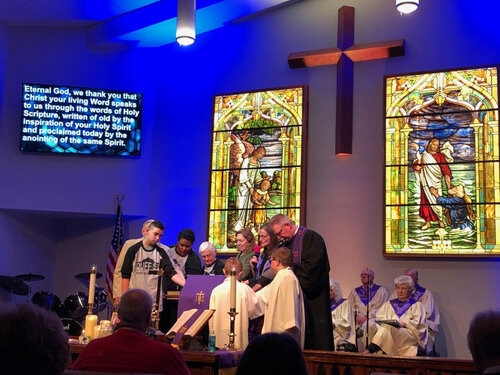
(32, 341)
(344, 331)
(366, 299)
(411, 335)
(128, 349)
(211, 265)
(432, 316)
(246, 308)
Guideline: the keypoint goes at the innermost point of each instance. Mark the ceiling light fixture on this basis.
(407, 6)
(186, 22)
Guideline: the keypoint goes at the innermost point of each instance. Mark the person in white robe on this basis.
(402, 329)
(366, 299)
(344, 328)
(246, 308)
(432, 316)
(282, 301)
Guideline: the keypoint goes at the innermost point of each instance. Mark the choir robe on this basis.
(403, 341)
(343, 323)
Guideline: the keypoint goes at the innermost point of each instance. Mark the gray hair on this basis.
(335, 286)
(204, 246)
(404, 279)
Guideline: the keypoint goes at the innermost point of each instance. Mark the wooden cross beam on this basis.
(345, 56)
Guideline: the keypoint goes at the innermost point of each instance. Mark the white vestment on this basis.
(432, 316)
(403, 341)
(282, 303)
(360, 309)
(344, 327)
(246, 307)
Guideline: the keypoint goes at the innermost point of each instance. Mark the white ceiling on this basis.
(145, 23)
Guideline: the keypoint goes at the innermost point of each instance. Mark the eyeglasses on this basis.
(278, 234)
(275, 259)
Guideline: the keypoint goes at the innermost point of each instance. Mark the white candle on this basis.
(232, 290)
(90, 324)
(93, 272)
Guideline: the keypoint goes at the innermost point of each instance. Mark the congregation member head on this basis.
(272, 354)
(483, 340)
(32, 341)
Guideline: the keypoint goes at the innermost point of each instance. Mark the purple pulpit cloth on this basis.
(196, 293)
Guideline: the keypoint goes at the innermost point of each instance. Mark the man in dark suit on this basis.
(312, 268)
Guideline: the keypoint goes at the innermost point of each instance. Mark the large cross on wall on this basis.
(344, 56)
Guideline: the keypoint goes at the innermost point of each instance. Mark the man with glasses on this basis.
(311, 267)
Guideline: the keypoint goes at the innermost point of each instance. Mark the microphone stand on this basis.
(156, 307)
(368, 314)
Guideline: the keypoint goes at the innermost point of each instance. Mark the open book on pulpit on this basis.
(193, 313)
(188, 326)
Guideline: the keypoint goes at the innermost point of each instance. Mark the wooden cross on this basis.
(345, 56)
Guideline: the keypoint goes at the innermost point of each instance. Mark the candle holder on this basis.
(232, 316)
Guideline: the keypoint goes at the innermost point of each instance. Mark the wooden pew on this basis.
(343, 363)
(332, 363)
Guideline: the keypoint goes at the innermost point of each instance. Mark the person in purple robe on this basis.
(312, 267)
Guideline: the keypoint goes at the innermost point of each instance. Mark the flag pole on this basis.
(115, 248)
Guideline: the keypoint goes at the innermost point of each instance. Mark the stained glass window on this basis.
(258, 159)
(442, 169)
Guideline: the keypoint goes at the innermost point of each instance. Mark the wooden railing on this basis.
(343, 363)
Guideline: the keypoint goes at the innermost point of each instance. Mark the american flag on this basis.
(114, 250)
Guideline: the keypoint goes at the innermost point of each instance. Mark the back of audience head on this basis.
(33, 341)
(483, 340)
(135, 309)
(272, 354)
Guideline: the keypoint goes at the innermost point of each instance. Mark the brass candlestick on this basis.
(232, 316)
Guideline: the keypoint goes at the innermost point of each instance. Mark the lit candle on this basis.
(93, 272)
(232, 290)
